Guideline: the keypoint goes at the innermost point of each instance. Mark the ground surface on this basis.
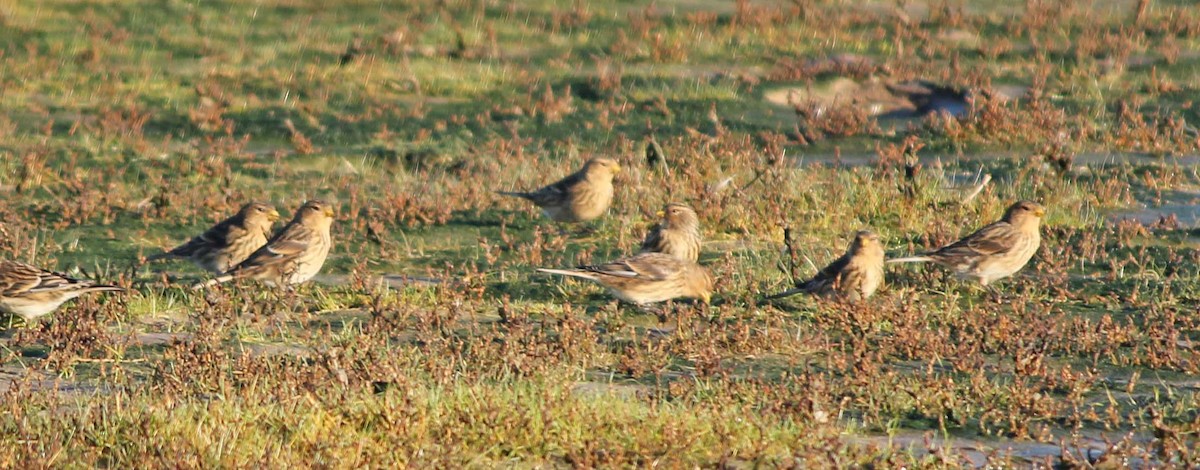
(128, 126)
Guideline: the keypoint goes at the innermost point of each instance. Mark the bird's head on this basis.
(1024, 212)
(601, 167)
(679, 216)
(865, 240)
(315, 213)
(257, 211)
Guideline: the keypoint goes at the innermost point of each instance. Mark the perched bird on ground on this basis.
(230, 242)
(677, 235)
(995, 251)
(30, 292)
(854, 277)
(647, 278)
(580, 197)
(294, 255)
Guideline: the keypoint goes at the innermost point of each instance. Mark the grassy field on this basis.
(127, 127)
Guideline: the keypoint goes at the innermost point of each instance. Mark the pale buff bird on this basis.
(993, 252)
(30, 292)
(677, 235)
(647, 278)
(294, 255)
(580, 197)
(853, 277)
(230, 241)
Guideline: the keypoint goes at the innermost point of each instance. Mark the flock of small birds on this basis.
(665, 268)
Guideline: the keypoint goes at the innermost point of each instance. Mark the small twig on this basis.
(811, 264)
(977, 189)
(721, 185)
(758, 174)
(792, 252)
(103, 360)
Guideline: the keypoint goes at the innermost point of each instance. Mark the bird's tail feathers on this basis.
(911, 259)
(103, 288)
(513, 193)
(787, 293)
(212, 282)
(569, 272)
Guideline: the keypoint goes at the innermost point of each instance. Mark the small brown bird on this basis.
(995, 251)
(677, 235)
(647, 278)
(30, 292)
(294, 255)
(580, 197)
(854, 277)
(230, 242)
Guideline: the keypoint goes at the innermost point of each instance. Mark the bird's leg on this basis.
(984, 292)
(295, 301)
(670, 311)
(994, 293)
(659, 312)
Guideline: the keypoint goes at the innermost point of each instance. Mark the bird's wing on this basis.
(648, 266)
(16, 278)
(20, 278)
(293, 240)
(990, 240)
(219, 235)
(653, 239)
(227, 234)
(829, 274)
(287, 247)
(556, 191)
